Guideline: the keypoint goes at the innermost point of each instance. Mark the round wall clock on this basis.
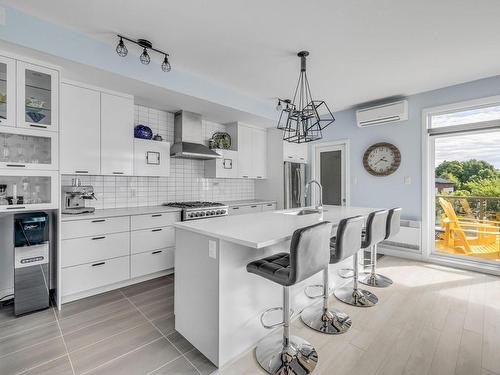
(382, 159)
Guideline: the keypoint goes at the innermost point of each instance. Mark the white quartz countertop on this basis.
(263, 229)
(246, 202)
(115, 212)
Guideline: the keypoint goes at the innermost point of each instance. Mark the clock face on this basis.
(382, 159)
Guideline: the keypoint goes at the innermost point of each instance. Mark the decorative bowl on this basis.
(143, 132)
(35, 103)
(35, 116)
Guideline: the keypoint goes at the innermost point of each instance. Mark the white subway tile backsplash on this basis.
(186, 180)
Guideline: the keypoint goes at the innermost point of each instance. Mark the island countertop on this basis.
(262, 229)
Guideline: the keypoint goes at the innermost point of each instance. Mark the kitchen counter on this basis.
(116, 212)
(262, 229)
(210, 271)
(246, 202)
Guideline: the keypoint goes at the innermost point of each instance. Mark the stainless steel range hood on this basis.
(188, 142)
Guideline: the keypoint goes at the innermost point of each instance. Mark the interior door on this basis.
(330, 171)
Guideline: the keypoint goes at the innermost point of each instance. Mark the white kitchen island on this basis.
(217, 302)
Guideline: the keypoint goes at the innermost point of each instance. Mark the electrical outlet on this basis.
(407, 180)
(212, 249)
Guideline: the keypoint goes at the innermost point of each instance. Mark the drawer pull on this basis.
(98, 238)
(156, 230)
(235, 208)
(269, 204)
(156, 215)
(157, 252)
(245, 176)
(253, 206)
(99, 264)
(81, 171)
(118, 172)
(98, 221)
(259, 176)
(15, 208)
(38, 126)
(16, 165)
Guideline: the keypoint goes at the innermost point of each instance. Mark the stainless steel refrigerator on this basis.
(295, 174)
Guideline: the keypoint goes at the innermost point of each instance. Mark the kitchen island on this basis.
(217, 302)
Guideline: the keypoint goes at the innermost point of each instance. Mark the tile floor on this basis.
(127, 331)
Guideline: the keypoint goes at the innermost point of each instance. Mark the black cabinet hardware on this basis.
(156, 230)
(98, 221)
(99, 238)
(98, 264)
(157, 252)
(16, 165)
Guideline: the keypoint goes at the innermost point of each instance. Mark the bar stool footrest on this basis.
(274, 325)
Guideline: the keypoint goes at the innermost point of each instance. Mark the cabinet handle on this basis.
(259, 176)
(98, 264)
(98, 221)
(118, 172)
(15, 208)
(302, 158)
(290, 157)
(235, 208)
(98, 238)
(16, 165)
(157, 252)
(269, 204)
(156, 215)
(81, 171)
(38, 126)
(245, 176)
(253, 206)
(156, 230)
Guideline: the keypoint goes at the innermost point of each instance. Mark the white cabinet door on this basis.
(37, 97)
(295, 152)
(7, 91)
(151, 158)
(259, 147)
(269, 207)
(117, 135)
(151, 262)
(225, 167)
(80, 130)
(245, 152)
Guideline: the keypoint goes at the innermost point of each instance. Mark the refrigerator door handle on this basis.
(299, 187)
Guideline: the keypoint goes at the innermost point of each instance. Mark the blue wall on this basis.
(391, 191)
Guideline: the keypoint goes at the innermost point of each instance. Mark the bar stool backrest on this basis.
(309, 251)
(348, 239)
(376, 228)
(393, 222)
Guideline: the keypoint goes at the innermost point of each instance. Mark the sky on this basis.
(481, 146)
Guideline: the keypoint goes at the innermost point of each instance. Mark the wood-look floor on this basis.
(129, 331)
(434, 320)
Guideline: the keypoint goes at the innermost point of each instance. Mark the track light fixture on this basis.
(146, 45)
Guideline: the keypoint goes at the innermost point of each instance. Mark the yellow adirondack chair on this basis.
(470, 236)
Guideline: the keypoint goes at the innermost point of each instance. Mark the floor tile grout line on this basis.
(83, 312)
(29, 346)
(42, 364)
(169, 362)
(166, 338)
(26, 330)
(64, 342)
(122, 355)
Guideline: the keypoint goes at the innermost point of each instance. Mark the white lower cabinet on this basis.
(151, 261)
(95, 227)
(94, 275)
(251, 208)
(152, 239)
(269, 207)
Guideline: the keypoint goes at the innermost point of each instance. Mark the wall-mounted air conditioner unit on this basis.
(382, 114)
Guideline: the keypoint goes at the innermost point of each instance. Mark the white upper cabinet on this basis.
(252, 152)
(37, 97)
(7, 91)
(151, 158)
(80, 130)
(117, 135)
(295, 152)
(225, 167)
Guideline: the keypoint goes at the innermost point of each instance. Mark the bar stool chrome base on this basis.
(333, 322)
(298, 358)
(356, 297)
(376, 280)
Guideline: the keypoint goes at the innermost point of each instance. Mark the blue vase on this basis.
(143, 132)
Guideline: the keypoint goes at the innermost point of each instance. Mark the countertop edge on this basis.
(118, 212)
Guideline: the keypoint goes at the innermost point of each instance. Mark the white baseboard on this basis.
(107, 288)
(400, 252)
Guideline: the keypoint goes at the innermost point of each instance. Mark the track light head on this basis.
(121, 49)
(165, 65)
(145, 59)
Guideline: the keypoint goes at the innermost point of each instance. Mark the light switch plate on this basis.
(407, 180)
(212, 249)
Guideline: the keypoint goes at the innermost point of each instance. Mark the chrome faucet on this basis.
(320, 206)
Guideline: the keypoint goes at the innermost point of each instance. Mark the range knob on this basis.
(213, 212)
(202, 213)
(223, 211)
(196, 214)
(218, 212)
(190, 215)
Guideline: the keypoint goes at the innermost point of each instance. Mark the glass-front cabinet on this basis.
(37, 92)
(7, 91)
(23, 190)
(28, 149)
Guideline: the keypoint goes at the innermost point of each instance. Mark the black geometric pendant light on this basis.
(300, 118)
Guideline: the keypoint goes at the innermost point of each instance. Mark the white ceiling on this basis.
(360, 50)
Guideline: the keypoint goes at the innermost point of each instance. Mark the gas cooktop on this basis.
(200, 210)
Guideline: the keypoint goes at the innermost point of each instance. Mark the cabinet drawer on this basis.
(240, 210)
(154, 220)
(94, 275)
(89, 249)
(269, 207)
(152, 239)
(151, 261)
(87, 228)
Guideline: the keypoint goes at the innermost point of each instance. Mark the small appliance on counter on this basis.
(31, 263)
(75, 196)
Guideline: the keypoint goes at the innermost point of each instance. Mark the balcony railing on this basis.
(486, 208)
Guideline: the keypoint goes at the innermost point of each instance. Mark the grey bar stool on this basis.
(343, 245)
(309, 254)
(375, 232)
(391, 227)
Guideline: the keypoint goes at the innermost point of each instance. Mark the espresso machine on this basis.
(75, 197)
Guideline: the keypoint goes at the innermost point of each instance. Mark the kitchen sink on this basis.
(305, 211)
